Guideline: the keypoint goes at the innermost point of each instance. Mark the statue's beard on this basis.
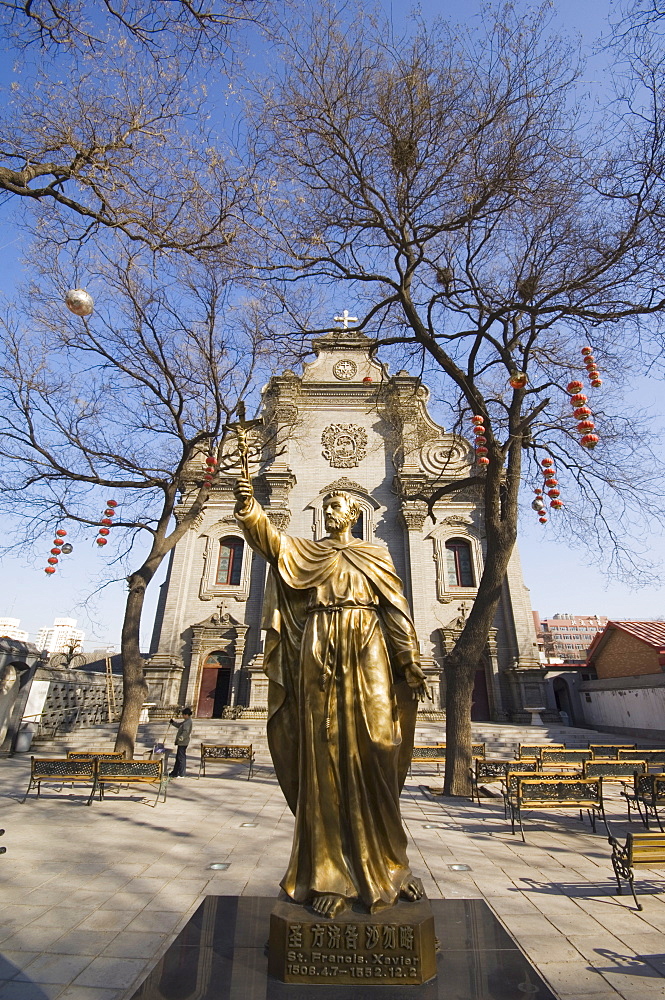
(338, 522)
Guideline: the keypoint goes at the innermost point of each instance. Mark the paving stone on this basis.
(20, 990)
(107, 971)
(135, 944)
(56, 968)
(81, 941)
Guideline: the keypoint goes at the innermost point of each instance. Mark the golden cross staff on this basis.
(240, 427)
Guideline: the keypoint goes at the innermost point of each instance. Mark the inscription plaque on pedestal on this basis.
(394, 945)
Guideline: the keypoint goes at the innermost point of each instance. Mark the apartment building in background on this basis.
(566, 637)
(60, 636)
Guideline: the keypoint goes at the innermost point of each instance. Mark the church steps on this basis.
(501, 740)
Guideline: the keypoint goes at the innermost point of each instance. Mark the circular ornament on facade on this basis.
(451, 455)
(345, 369)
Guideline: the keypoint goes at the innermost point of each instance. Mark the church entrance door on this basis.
(215, 686)
(480, 704)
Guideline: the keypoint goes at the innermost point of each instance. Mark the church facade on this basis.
(345, 423)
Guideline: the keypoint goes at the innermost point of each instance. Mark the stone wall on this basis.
(635, 706)
(62, 698)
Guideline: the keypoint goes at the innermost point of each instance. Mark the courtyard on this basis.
(92, 897)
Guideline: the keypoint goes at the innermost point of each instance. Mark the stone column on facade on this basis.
(413, 513)
(490, 663)
(258, 685)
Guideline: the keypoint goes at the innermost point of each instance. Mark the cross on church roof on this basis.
(345, 318)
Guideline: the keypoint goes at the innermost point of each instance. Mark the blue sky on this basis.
(558, 576)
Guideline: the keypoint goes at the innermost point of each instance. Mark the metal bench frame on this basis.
(641, 850)
(239, 753)
(565, 759)
(648, 792)
(524, 749)
(610, 751)
(95, 755)
(613, 770)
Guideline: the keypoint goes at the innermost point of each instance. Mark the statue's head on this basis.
(340, 510)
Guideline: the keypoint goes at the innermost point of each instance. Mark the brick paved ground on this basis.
(91, 897)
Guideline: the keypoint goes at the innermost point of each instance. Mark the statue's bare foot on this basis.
(329, 906)
(412, 888)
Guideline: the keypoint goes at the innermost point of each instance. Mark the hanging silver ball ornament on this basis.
(79, 301)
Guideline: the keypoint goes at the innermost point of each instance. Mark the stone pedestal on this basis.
(394, 946)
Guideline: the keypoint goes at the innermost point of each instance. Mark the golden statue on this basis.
(342, 659)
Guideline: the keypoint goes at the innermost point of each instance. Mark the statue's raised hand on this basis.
(243, 493)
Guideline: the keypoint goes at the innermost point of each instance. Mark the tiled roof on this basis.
(653, 633)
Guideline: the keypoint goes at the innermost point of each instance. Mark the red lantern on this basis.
(211, 460)
(61, 532)
(582, 411)
(367, 380)
(106, 520)
(52, 561)
(551, 481)
(589, 441)
(481, 450)
(587, 350)
(590, 361)
(100, 541)
(585, 425)
(537, 492)
(480, 440)
(546, 462)
(579, 399)
(103, 531)
(574, 387)
(596, 382)
(111, 503)
(483, 461)
(557, 504)
(49, 570)
(518, 380)
(478, 429)
(477, 419)
(56, 552)
(109, 512)
(554, 493)
(543, 520)
(594, 375)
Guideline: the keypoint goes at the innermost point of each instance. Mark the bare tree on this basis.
(132, 400)
(119, 123)
(203, 28)
(484, 220)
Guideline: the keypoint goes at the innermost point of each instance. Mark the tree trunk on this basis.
(459, 692)
(134, 685)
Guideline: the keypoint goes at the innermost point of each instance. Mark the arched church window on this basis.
(229, 566)
(459, 568)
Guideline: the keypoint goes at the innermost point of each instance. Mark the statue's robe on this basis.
(341, 716)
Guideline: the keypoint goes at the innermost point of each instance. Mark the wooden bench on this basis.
(654, 758)
(544, 792)
(512, 783)
(234, 752)
(641, 850)
(611, 750)
(487, 772)
(564, 760)
(613, 770)
(61, 771)
(95, 755)
(648, 795)
(435, 753)
(532, 751)
(131, 772)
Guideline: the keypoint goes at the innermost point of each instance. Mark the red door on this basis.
(207, 692)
